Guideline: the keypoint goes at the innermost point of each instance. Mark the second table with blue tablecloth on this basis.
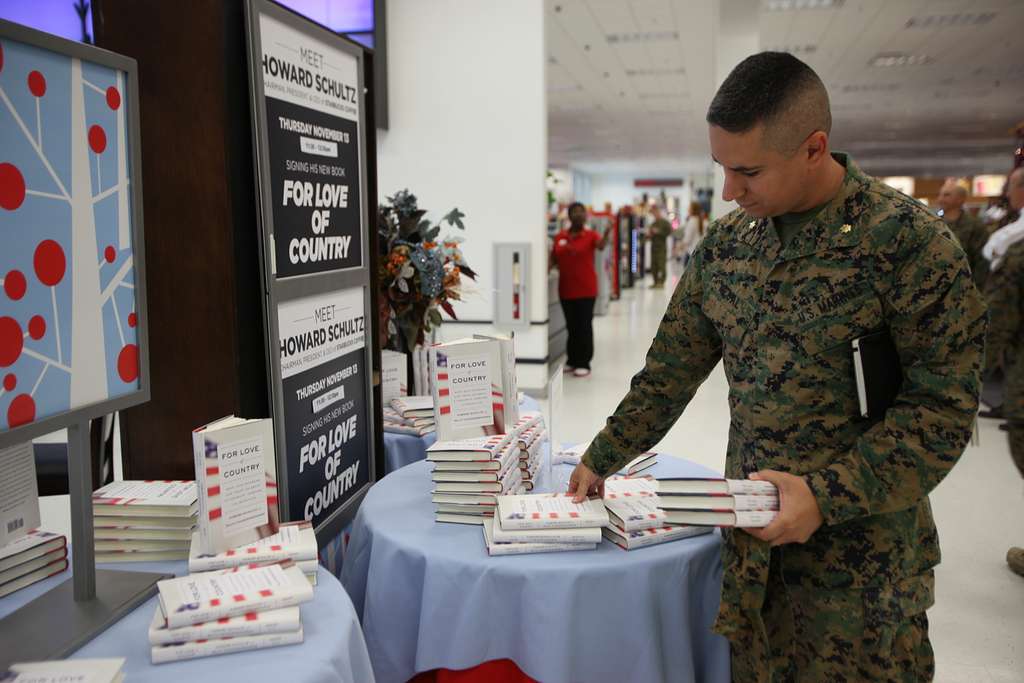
(430, 597)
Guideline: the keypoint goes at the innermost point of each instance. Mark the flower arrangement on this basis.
(419, 275)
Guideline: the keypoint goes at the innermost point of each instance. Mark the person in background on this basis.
(997, 364)
(969, 231)
(693, 232)
(1006, 336)
(573, 253)
(658, 233)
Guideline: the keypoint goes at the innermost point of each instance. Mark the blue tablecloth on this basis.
(430, 597)
(404, 449)
(333, 650)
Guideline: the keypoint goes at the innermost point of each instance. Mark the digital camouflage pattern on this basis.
(1005, 337)
(783, 320)
(972, 234)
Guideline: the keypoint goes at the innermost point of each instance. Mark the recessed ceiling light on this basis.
(642, 37)
(887, 59)
(789, 5)
(945, 20)
(656, 71)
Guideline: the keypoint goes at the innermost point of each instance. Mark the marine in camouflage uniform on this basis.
(972, 235)
(659, 234)
(1005, 336)
(849, 604)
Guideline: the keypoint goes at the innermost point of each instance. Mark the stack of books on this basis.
(718, 502)
(30, 558)
(249, 607)
(469, 475)
(636, 520)
(144, 521)
(544, 523)
(412, 415)
(66, 671)
(529, 443)
(294, 541)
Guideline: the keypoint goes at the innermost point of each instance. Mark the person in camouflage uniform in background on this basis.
(1006, 338)
(836, 588)
(967, 228)
(658, 233)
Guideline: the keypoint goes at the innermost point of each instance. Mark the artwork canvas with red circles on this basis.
(68, 319)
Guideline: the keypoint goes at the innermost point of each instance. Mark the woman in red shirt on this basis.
(573, 253)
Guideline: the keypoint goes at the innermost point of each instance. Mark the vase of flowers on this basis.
(420, 274)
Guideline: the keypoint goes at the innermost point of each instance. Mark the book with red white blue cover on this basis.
(209, 596)
(641, 538)
(177, 652)
(294, 541)
(632, 503)
(175, 499)
(468, 450)
(511, 479)
(507, 458)
(718, 502)
(579, 535)
(708, 485)
(33, 544)
(470, 394)
(723, 518)
(414, 407)
(236, 476)
(283, 620)
(498, 548)
(394, 375)
(527, 421)
(34, 576)
(408, 430)
(550, 511)
(639, 464)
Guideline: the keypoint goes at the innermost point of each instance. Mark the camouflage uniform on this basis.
(1005, 336)
(972, 235)
(782, 319)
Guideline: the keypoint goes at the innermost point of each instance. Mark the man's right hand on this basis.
(583, 483)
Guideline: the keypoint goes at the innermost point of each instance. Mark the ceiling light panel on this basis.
(891, 59)
(791, 5)
(656, 71)
(642, 37)
(951, 20)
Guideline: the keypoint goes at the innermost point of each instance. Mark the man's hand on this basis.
(799, 516)
(583, 482)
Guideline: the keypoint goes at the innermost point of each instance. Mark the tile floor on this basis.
(977, 624)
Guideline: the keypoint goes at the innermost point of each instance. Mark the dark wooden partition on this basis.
(202, 241)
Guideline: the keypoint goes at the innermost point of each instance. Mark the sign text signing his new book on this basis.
(323, 385)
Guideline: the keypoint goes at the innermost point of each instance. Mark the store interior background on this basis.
(492, 103)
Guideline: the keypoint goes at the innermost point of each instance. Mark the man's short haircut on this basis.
(573, 206)
(778, 90)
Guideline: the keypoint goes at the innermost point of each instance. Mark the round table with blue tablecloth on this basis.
(333, 648)
(430, 597)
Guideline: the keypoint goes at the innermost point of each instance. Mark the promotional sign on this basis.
(312, 114)
(323, 368)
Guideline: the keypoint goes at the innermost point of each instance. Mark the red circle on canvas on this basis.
(15, 285)
(133, 319)
(37, 84)
(36, 327)
(49, 263)
(128, 363)
(113, 98)
(10, 381)
(97, 138)
(12, 339)
(21, 411)
(109, 254)
(12, 187)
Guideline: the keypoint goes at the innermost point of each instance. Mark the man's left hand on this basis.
(799, 516)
